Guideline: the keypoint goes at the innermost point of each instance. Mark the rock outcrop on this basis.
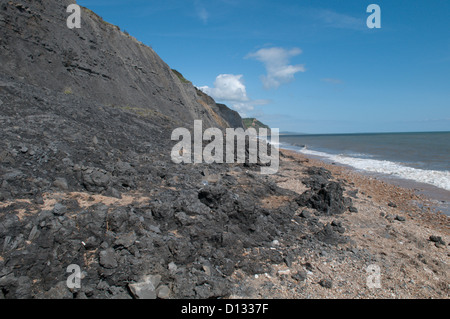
(98, 62)
(86, 176)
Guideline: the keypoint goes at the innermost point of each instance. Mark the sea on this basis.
(416, 160)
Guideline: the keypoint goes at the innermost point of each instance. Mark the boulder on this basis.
(146, 289)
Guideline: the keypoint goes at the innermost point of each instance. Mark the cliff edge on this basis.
(98, 62)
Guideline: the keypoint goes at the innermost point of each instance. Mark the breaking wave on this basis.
(439, 179)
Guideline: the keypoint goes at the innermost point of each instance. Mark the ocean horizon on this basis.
(422, 157)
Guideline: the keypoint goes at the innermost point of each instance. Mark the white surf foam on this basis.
(439, 179)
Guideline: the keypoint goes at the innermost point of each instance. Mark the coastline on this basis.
(433, 198)
(226, 231)
(391, 230)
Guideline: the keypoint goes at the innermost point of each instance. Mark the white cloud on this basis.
(202, 13)
(338, 20)
(276, 61)
(227, 87)
(230, 89)
(243, 108)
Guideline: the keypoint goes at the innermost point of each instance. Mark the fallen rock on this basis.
(437, 240)
(163, 292)
(60, 291)
(353, 209)
(172, 267)
(300, 276)
(338, 226)
(112, 192)
(125, 240)
(331, 235)
(328, 199)
(146, 289)
(284, 272)
(305, 214)
(95, 179)
(59, 209)
(326, 283)
(34, 233)
(61, 183)
(39, 200)
(108, 258)
(391, 204)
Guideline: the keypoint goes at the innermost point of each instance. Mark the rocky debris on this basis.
(59, 291)
(95, 179)
(57, 144)
(331, 235)
(192, 236)
(125, 240)
(439, 242)
(98, 62)
(315, 172)
(163, 292)
(338, 226)
(391, 204)
(400, 218)
(147, 288)
(326, 283)
(325, 196)
(305, 214)
(352, 209)
(300, 276)
(108, 259)
(353, 193)
(284, 272)
(328, 199)
(59, 209)
(61, 183)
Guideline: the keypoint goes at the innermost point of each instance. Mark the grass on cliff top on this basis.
(106, 23)
(100, 18)
(252, 122)
(181, 77)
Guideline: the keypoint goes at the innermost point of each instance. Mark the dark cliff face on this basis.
(90, 112)
(233, 117)
(84, 100)
(97, 62)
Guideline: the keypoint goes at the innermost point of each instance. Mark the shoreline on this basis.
(389, 230)
(383, 190)
(245, 235)
(437, 198)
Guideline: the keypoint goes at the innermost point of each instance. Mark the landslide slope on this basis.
(86, 176)
(75, 105)
(97, 62)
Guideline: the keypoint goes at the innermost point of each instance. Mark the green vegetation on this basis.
(181, 77)
(68, 91)
(254, 123)
(92, 13)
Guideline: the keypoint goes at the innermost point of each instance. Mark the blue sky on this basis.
(308, 66)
